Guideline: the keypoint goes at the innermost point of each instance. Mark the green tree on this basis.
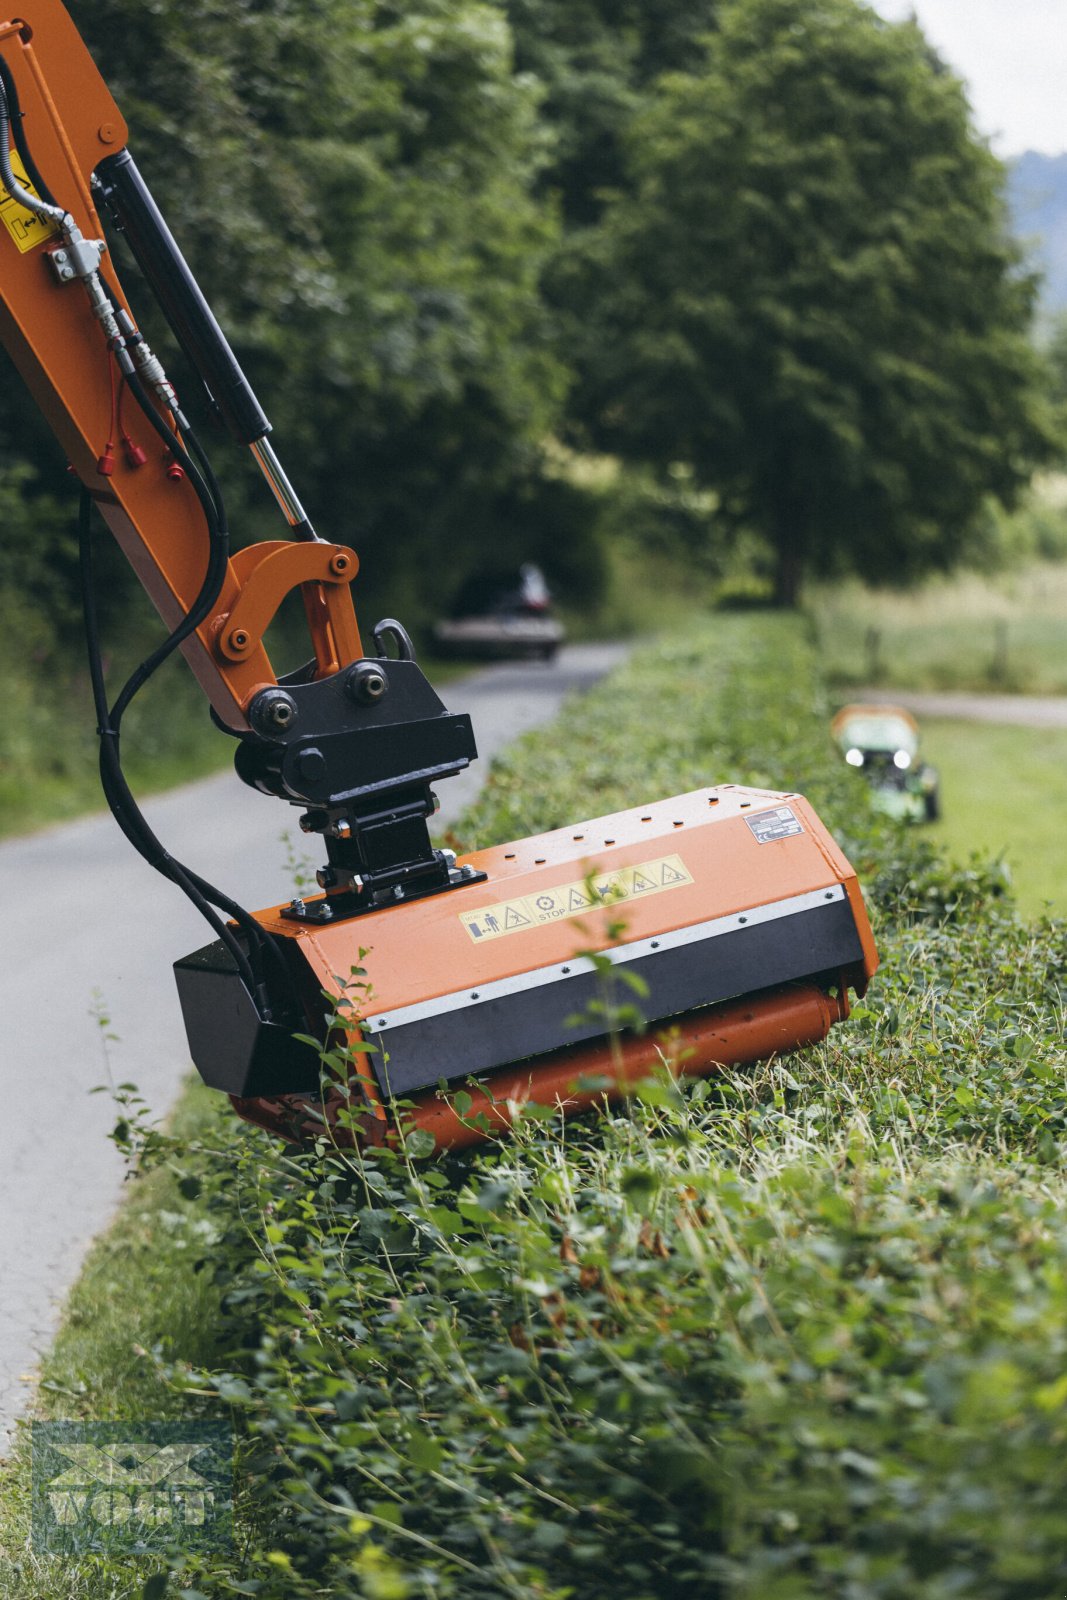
(810, 296)
(1057, 361)
(596, 60)
(353, 182)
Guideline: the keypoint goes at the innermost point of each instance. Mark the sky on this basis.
(1012, 54)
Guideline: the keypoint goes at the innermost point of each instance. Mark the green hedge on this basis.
(793, 1331)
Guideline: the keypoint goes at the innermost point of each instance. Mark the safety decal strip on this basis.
(25, 228)
(573, 899)
(620, 954)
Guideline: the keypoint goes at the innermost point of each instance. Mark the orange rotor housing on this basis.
(728, 921)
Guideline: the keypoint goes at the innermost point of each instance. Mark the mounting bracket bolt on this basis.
(272, 712)
(311, 764)
(366, 683)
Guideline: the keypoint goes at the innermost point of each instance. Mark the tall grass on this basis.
(1003, 633)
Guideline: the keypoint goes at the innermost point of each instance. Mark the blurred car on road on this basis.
(882, 742)
(502, 614)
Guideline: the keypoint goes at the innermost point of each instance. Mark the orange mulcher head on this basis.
(733, 908)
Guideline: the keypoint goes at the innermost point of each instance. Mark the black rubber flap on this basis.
(232, 1048)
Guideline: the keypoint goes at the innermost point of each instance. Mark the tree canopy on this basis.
(353, 183)
(809, 295)
(596, 61)
(757, 238)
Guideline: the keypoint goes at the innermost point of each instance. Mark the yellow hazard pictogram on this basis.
(25, 228)
(572, 899)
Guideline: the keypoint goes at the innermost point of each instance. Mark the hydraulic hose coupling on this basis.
(77, 258)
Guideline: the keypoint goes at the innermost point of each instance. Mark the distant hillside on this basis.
(1037, 195)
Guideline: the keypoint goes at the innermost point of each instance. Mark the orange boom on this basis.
(728, 917)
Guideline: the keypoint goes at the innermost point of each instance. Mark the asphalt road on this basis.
(87, 925)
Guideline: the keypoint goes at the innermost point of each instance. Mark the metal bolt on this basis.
(311, 764)
(366, 683)
(272, 711)
(297, 906)
(339, 565)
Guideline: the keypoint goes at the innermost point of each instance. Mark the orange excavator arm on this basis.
(355, 740)
(69, 329)
(740, 919)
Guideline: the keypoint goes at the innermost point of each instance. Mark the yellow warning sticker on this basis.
(572, 899)
(25, 228)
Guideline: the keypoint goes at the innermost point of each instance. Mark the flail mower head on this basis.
(727, 920)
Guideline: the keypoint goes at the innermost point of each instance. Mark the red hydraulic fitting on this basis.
(135, 456)
(106, 464)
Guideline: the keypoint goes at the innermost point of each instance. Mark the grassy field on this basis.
(1004, 793)
(800, 1331)
(1004, 788)
(1007, 633)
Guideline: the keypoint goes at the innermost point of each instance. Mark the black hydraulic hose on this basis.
(218, 552)
(116, 790)
(210, 497)
(11, 110)
(127, 813)
(135, 828)
(39, 207)
(204, 463)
